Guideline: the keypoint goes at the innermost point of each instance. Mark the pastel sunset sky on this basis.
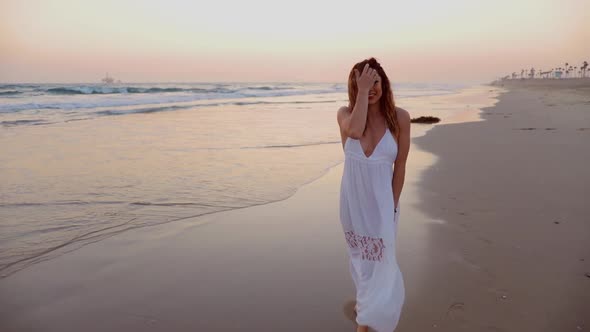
(303, 40)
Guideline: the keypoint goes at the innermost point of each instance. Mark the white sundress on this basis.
(370, 224)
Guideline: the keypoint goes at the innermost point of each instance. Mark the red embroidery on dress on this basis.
(351, 239)
(371, 247)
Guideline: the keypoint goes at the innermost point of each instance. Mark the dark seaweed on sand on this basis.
(425, 119)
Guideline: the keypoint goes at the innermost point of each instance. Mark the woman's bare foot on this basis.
(362, 329)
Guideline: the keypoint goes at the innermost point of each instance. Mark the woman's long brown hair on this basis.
(387, 103)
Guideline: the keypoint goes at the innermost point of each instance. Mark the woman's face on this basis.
(375, 92)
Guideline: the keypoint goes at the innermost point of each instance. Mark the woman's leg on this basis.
(360, 328)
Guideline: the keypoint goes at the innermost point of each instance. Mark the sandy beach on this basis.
(493, 237)
(511, 252)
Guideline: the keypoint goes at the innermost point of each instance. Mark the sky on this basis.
(454, 41)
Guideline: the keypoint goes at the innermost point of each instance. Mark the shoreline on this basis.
(288, 258)
(66, 248)
(145, 209)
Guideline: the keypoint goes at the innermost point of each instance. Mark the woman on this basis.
(375, 136)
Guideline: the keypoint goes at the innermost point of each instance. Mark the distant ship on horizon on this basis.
(109, 80)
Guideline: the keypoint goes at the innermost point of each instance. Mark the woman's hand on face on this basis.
(366, 79)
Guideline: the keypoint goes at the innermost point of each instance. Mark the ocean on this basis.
(84, 162)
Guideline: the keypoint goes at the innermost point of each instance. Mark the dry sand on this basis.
(513, 250)
(479, 245)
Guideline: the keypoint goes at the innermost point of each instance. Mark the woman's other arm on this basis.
(399, 172)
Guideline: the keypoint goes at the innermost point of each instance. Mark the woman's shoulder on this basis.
(403, 118)
(402, 114)
(344, 109)
(342, 112)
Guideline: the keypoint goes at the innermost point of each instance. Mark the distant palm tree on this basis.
(584, 67)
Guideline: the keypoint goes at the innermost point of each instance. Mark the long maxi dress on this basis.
(370, 224)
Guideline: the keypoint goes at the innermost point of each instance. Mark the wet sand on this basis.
(275, 267)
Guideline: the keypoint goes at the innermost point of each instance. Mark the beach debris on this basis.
(503, 297)
(550, 128)
(425, 119)
(556, 222)
(588, 275)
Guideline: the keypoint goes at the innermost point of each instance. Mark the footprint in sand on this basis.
(456, 311)
(580, 129)
(455, 306)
